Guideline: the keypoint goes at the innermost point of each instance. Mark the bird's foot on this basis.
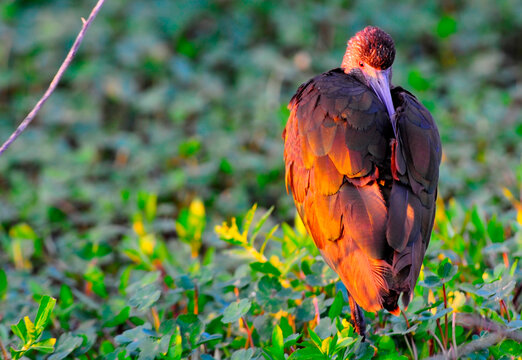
(357, 318)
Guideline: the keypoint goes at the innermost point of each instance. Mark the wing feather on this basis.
(372, 230)
(412, 200)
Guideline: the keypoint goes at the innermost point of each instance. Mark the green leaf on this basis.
(151, 206)
(306, 311)
(447, 26)
(308, 353)
(278, 343)
(150, 348)
(495, 230)
(93, 250)
(206, 337)
(22, 231)
(337, 306)
(16, 354)
(260, 224)
(386, 344)
(365, 351)
(291, 340)
(66, 297)
(510, 347)
(20, 330)
(191, 328)
(247, 221)
(243, 354)
(478, 222)
(31, 334)
(427, 315)
(332, 345)
(3, 284)
(133, 338)
(446, 271)
(145, 297)
(175, 348)
(44, 311)
(431, 281)
(236, 310)
(497, 289)
(106, 347)
(316, 339)
(402, 329)
(45, 346)
(95, 275)
(119, 319)
(189, 147)
(265, 268)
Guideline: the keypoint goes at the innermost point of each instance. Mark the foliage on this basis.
(129, 199)
(31, 332)
(267, 294)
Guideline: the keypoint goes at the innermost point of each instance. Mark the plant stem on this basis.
(56, 79)
(441, 334)
(455, 349)
(413, 348)
(316, 307)
(196, 297)
(408, 344)
(438, 341)
(4, 352)
(249, 332)
(155, 318)
(504, 307)
(445, 338)
(405, 318)
(506, 260)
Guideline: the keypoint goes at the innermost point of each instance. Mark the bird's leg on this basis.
(357, 317)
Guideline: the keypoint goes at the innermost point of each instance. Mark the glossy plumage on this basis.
(365, 192)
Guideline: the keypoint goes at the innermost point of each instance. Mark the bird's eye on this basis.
(361, 64)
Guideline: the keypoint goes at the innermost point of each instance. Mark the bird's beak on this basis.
(379, 80)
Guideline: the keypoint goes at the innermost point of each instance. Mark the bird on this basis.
(362, 163)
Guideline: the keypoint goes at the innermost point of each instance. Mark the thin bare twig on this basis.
(497, 331)
(56, 79)
(480, 323)
(483, 343)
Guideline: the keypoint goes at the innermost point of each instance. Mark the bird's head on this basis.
(369, 56)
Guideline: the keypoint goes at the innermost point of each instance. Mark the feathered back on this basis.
(371, 224)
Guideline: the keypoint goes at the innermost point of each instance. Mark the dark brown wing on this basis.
(336, 141)
(412, 200)
(372, 225)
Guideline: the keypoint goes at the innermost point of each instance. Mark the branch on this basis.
(497, 331)
(480, 323)
(56, 79)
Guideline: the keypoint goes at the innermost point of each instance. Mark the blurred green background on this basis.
(186, 98)
(169, 102)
